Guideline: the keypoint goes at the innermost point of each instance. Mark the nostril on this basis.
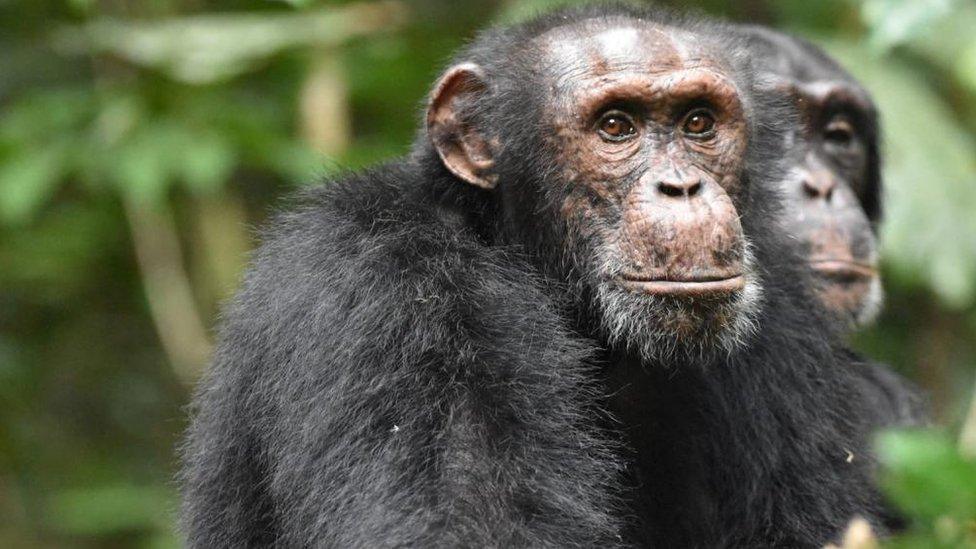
(819, 188)
(668, 189)
(810, 190)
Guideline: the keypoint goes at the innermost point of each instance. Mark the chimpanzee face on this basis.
(649, 137)
(652, 137)
(827, 192)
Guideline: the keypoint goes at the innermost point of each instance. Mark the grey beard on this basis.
(872, 305)
(664, 329)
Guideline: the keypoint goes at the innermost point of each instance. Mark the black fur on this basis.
(895, 401)
(408, 364)
(386, 379)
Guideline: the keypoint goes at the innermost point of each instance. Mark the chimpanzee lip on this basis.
(697, 286)
(842, 268)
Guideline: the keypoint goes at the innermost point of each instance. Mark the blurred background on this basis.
(141, 142)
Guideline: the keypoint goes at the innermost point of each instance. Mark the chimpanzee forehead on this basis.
(595, 50)
(824, 92)
(816, 97)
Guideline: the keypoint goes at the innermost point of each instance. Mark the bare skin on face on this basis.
(647, 133)
(652, 142)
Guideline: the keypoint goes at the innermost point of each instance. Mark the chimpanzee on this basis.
(568, 318)
(834, 197)
(834, 192)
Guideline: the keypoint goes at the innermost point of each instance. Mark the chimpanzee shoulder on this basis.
(896, 401)
(382, 360)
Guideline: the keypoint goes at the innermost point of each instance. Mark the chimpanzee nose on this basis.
(819, 186)
(677, 188)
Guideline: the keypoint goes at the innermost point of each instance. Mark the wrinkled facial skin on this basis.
(825, 197)
(651, 137)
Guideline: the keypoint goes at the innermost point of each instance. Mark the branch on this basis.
(967, 436)
(168, 292)
(206, 48)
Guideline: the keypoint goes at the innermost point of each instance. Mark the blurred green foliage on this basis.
(140, 141)
(932, 483)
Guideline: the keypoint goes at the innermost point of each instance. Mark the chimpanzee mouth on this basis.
(844, 270)
(690, 287)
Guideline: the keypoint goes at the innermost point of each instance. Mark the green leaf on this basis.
(205, 162)
(893, 22)
(926, 476)
(966, 66)
(142, 166)
(39, 115)
(949, 44)
(27, 180)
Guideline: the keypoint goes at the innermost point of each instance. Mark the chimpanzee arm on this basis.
(225, 499)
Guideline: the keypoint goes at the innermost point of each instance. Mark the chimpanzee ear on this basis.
(463, 148)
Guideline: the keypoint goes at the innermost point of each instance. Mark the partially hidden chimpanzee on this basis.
(834, 192)
(833, 195)
(568, 318)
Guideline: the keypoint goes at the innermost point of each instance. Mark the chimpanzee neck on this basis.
(710, 447)
(668, 422)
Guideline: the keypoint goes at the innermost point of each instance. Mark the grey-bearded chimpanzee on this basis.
(569, 318)
(833, 195)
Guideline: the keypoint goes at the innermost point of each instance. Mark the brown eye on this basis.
(698, 123)
(839, 132)
(616, 126)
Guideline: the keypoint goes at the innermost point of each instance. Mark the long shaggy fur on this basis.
(386, 379)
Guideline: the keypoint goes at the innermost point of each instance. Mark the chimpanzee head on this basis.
(833, 193)
(621, 150)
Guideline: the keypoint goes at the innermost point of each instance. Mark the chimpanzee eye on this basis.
(616, 126)
(698, 123)
(839, 131)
